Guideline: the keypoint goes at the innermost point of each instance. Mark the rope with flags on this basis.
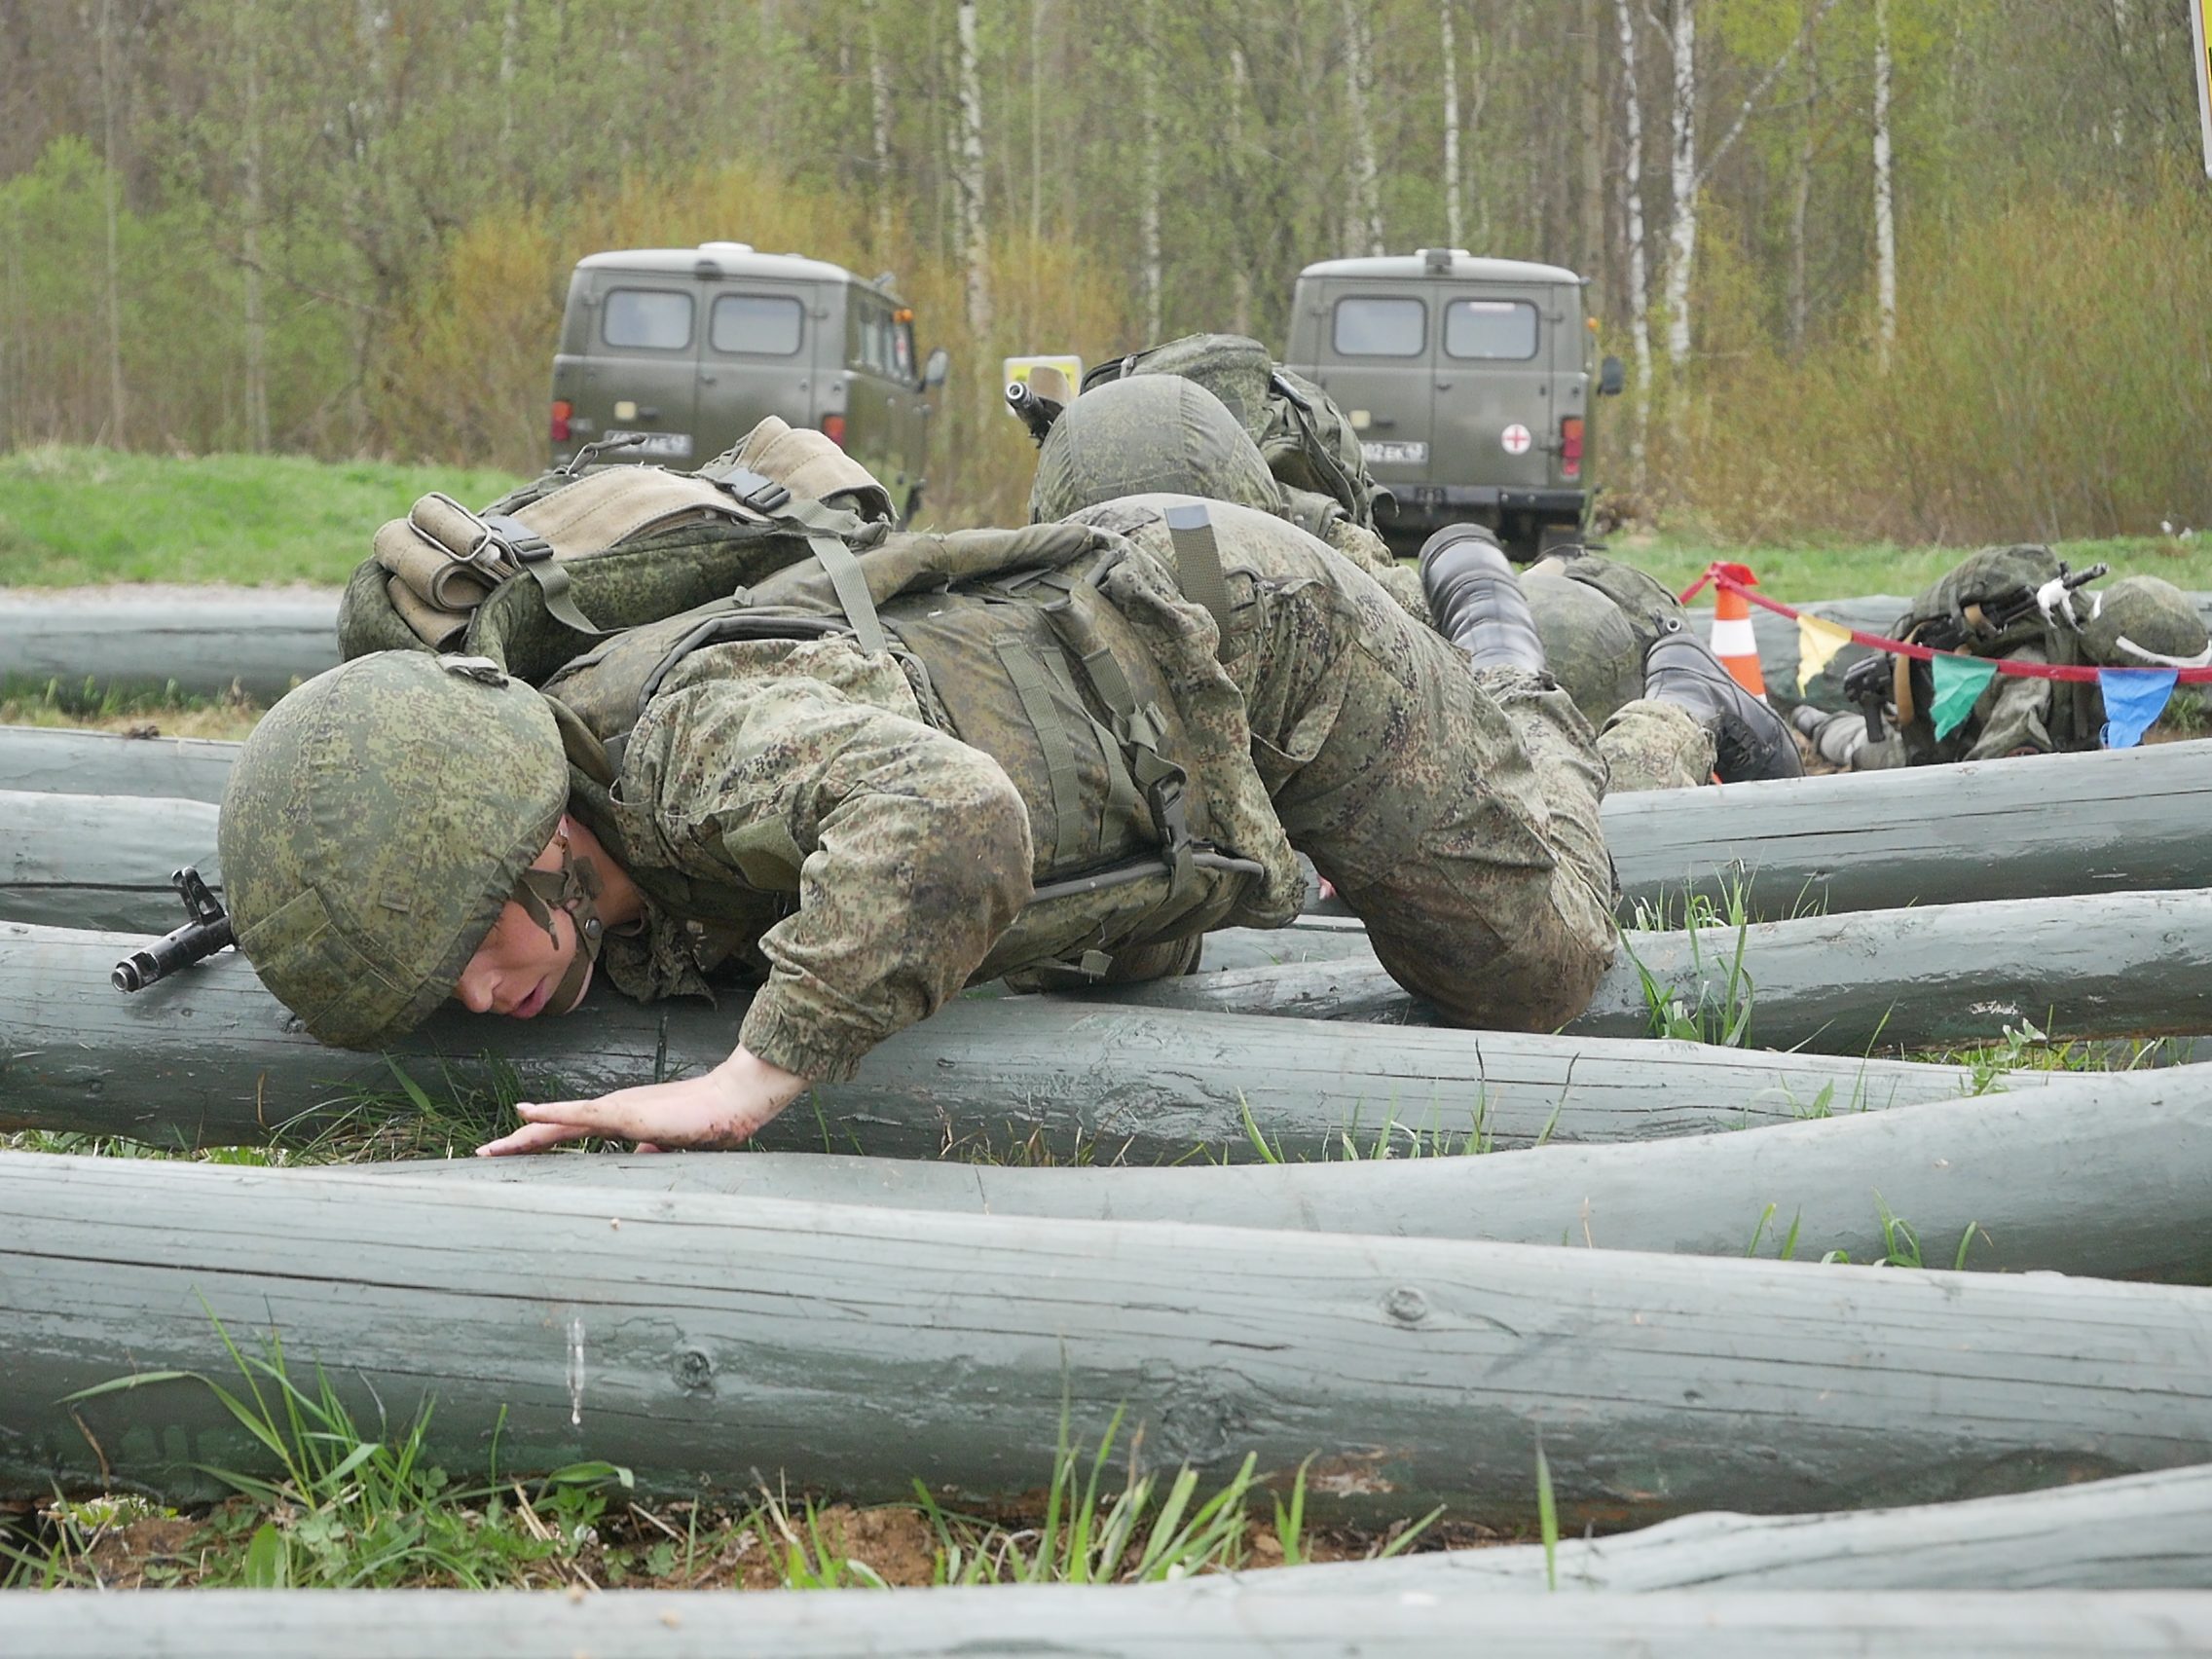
(2134, 697)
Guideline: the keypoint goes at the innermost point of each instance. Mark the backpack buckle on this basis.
(515, 539)
(749, 488)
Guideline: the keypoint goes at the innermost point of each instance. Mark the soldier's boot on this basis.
(1476, 600)
(1749, 739)
(1836, 738)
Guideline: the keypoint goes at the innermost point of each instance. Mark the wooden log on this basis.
(1873, 841)
(853, 1350)
(100, 862)
(61, 760)
(2105, 1175)
(2134, 1533)
(2123, 964)
(1190, 1620)
(2028, 829)
(255, 640)
(211, 1058)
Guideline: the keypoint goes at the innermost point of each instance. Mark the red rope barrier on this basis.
(1718, 575)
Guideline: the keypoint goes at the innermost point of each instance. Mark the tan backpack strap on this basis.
(809, 464)
(604, 509)
(435, 628)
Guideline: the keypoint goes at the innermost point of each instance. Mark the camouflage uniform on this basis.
(1161, 431)
(803, 807)
(1599, 618)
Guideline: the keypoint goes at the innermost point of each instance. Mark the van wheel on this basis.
(1564, 538)
(912, 509)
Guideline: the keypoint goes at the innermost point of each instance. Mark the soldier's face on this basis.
(517, 969)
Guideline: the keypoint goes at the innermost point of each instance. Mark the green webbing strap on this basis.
(1035, 690)
(1120, 789)
(534, 554)
(851, 585)
(1198, 564)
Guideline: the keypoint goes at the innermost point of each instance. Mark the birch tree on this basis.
(1363, 217)
(1885, 197)
(1454, 231)
(1154, 253)
(117, 431)
(1682, 178)
(968, 183)
(1632, 214)
(250, 169)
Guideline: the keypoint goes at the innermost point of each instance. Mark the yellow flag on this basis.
(1818, 641)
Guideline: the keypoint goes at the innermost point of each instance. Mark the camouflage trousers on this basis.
(1453, 809)
(1649, 745)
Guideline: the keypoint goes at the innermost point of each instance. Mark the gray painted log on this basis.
(854, 1349)
(1873, 841)
(1195, 1618)
(2106, 1176)
(63, 760)
(2120, 964)
(2136, 1533)
(2028, 829)
(211, 1058)
(261, 642)
(103, 862)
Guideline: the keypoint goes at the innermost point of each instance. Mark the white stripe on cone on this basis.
(1732, 636)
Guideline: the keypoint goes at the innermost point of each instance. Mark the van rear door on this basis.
(643, 370)
(1494, 415)
(1372, 355)
(757, 359)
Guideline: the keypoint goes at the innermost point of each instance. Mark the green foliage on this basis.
(99, 515)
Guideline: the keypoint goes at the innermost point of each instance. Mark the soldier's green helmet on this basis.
(376, 822)
(1590, 645)
(2143, 621)
(1149, 434)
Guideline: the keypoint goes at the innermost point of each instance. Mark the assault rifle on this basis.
(1036, 413)
(1868, 682)
(207, 929)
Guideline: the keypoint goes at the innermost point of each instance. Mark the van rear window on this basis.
(765, 325)
(1380, 328)
(1490, 328)
(650, 317)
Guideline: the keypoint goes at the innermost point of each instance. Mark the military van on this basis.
(687, 350)
(1470, 383)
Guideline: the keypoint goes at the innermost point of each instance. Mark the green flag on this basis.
(1959, 685)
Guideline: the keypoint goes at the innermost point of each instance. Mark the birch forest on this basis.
(1931, 269)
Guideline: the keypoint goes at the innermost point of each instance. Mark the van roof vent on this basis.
(725, 247)
(1442, 258)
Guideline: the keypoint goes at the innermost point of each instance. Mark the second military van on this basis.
(687, 350)
(1470, 383)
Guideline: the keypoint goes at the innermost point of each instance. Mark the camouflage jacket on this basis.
(802, 808)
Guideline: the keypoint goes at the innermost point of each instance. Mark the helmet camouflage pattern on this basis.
(1144, 435)
(1590, 645)
(374, 826)
(2142, 620)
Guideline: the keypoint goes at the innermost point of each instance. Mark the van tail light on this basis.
(1570, 447)
(833, 428)
(561, 410)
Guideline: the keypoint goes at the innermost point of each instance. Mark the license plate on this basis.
(674, 445)
(1394, 454)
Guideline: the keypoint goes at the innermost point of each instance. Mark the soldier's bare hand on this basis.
(721, 1109)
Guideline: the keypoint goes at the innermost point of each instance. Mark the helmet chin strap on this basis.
(575, 887)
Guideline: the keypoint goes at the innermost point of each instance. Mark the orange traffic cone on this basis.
(1733, 641)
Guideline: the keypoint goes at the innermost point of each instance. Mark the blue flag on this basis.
(2134, 698)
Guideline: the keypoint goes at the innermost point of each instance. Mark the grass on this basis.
(80, 515)
(363, 1505)
(70, 516)
(1811, 570)
(163, 713)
